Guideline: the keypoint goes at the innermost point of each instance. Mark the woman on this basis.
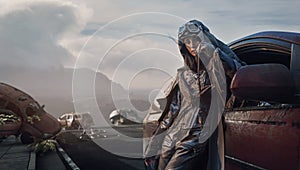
(190, 121)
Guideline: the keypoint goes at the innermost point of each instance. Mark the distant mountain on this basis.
(54, 87)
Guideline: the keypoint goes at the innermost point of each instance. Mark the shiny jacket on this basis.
(195, 100)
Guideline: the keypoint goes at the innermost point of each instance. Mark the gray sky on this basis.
(125, 38)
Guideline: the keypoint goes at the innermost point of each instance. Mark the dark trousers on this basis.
(184, 157)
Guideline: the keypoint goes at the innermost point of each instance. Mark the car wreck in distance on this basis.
(125, 117)
(262, 124)
(24, 116)
(75, 120)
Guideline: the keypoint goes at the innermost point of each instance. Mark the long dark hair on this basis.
(189, 60)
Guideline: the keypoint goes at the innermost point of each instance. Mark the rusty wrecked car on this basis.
(262, 123)
(24, 116)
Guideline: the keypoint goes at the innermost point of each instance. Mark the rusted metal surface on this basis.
(266, 138)
(25, 106)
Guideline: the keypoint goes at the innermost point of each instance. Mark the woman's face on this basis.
(192, 44)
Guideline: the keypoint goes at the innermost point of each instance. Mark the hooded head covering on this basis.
(195, 28)
(192, 27)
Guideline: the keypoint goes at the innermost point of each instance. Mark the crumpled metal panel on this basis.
(24, 105)
(269, 138)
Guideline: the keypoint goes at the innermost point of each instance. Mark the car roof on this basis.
(266, 47)
(289, 37)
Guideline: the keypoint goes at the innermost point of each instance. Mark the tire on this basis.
(26, 138)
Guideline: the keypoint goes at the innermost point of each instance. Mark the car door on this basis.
(257, 135)
(262, 137)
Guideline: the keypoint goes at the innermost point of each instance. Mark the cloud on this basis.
(31, 32)
(52, 33)
(126, 39)
(228, 20)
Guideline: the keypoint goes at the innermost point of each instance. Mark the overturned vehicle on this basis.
(262, 118)
(125, 117)
(21, 115)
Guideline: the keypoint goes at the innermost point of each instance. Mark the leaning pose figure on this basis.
(189, 134)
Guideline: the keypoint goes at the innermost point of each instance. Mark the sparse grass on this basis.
(43, 146)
